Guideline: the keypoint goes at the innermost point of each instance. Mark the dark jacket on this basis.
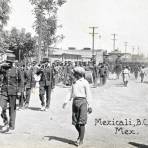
(21, 83)
(10, 81)
(29, 79)
(45, 74)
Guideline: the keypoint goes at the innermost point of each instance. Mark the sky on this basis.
(126, 18)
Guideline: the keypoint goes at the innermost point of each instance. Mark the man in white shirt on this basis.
(126, 75)
(81, 95)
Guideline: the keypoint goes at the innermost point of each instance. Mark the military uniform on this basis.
(95, 74)
(103, 74)
(9, 94)
(53, 77)
(29, 83)
(136, 71)
(45, 86)
(21, 87)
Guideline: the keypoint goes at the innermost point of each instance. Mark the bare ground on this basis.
(53, 129)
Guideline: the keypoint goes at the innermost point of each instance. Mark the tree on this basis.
(4, 17)
(4, 39)
(4, 12)
(22, 43)
(45, 25)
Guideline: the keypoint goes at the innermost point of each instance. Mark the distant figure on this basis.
(136, 71)
(118, 70)
(103, 74)
(125, 75)
(142, 73)
(88, 74)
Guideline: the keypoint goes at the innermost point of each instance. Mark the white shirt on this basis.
(126, 71)
(142, 71)
(80, 88)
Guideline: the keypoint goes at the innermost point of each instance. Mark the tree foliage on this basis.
(4, 17)
(22, 43)
(45, 12)
(4, 12)
(19, 41)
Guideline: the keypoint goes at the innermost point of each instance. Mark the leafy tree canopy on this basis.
(45, 24)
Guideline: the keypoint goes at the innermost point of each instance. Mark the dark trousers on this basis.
(3, 113)
(94, 77)
(12, 111)
(42, 91)
(142, 77)
(102, 80)
(28, 93)
(136, 75)
(21, 99)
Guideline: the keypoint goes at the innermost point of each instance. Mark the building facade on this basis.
(84, 55)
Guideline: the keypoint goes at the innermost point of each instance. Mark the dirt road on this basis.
(120, 115)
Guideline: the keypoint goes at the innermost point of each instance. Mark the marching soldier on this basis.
(95, 73)
(9, 94)
(53, 76)
(21, 87)
(103, 74)
(29, 83)
(45, 85)
(136, 71)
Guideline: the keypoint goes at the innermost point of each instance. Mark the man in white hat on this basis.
(81, 95)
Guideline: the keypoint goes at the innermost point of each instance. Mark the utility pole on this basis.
(114, 41)
(133, 49)
(138, 50)
(93, 38)
(125, 44)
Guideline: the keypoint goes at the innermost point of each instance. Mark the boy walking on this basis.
(81, 95)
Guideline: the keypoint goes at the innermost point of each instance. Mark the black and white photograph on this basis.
(73, 73)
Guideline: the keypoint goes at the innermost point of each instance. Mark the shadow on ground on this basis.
(138, 145)
(119, 85)
(34, 108)
(64, 140)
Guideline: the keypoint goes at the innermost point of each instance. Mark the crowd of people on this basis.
(18, 79)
